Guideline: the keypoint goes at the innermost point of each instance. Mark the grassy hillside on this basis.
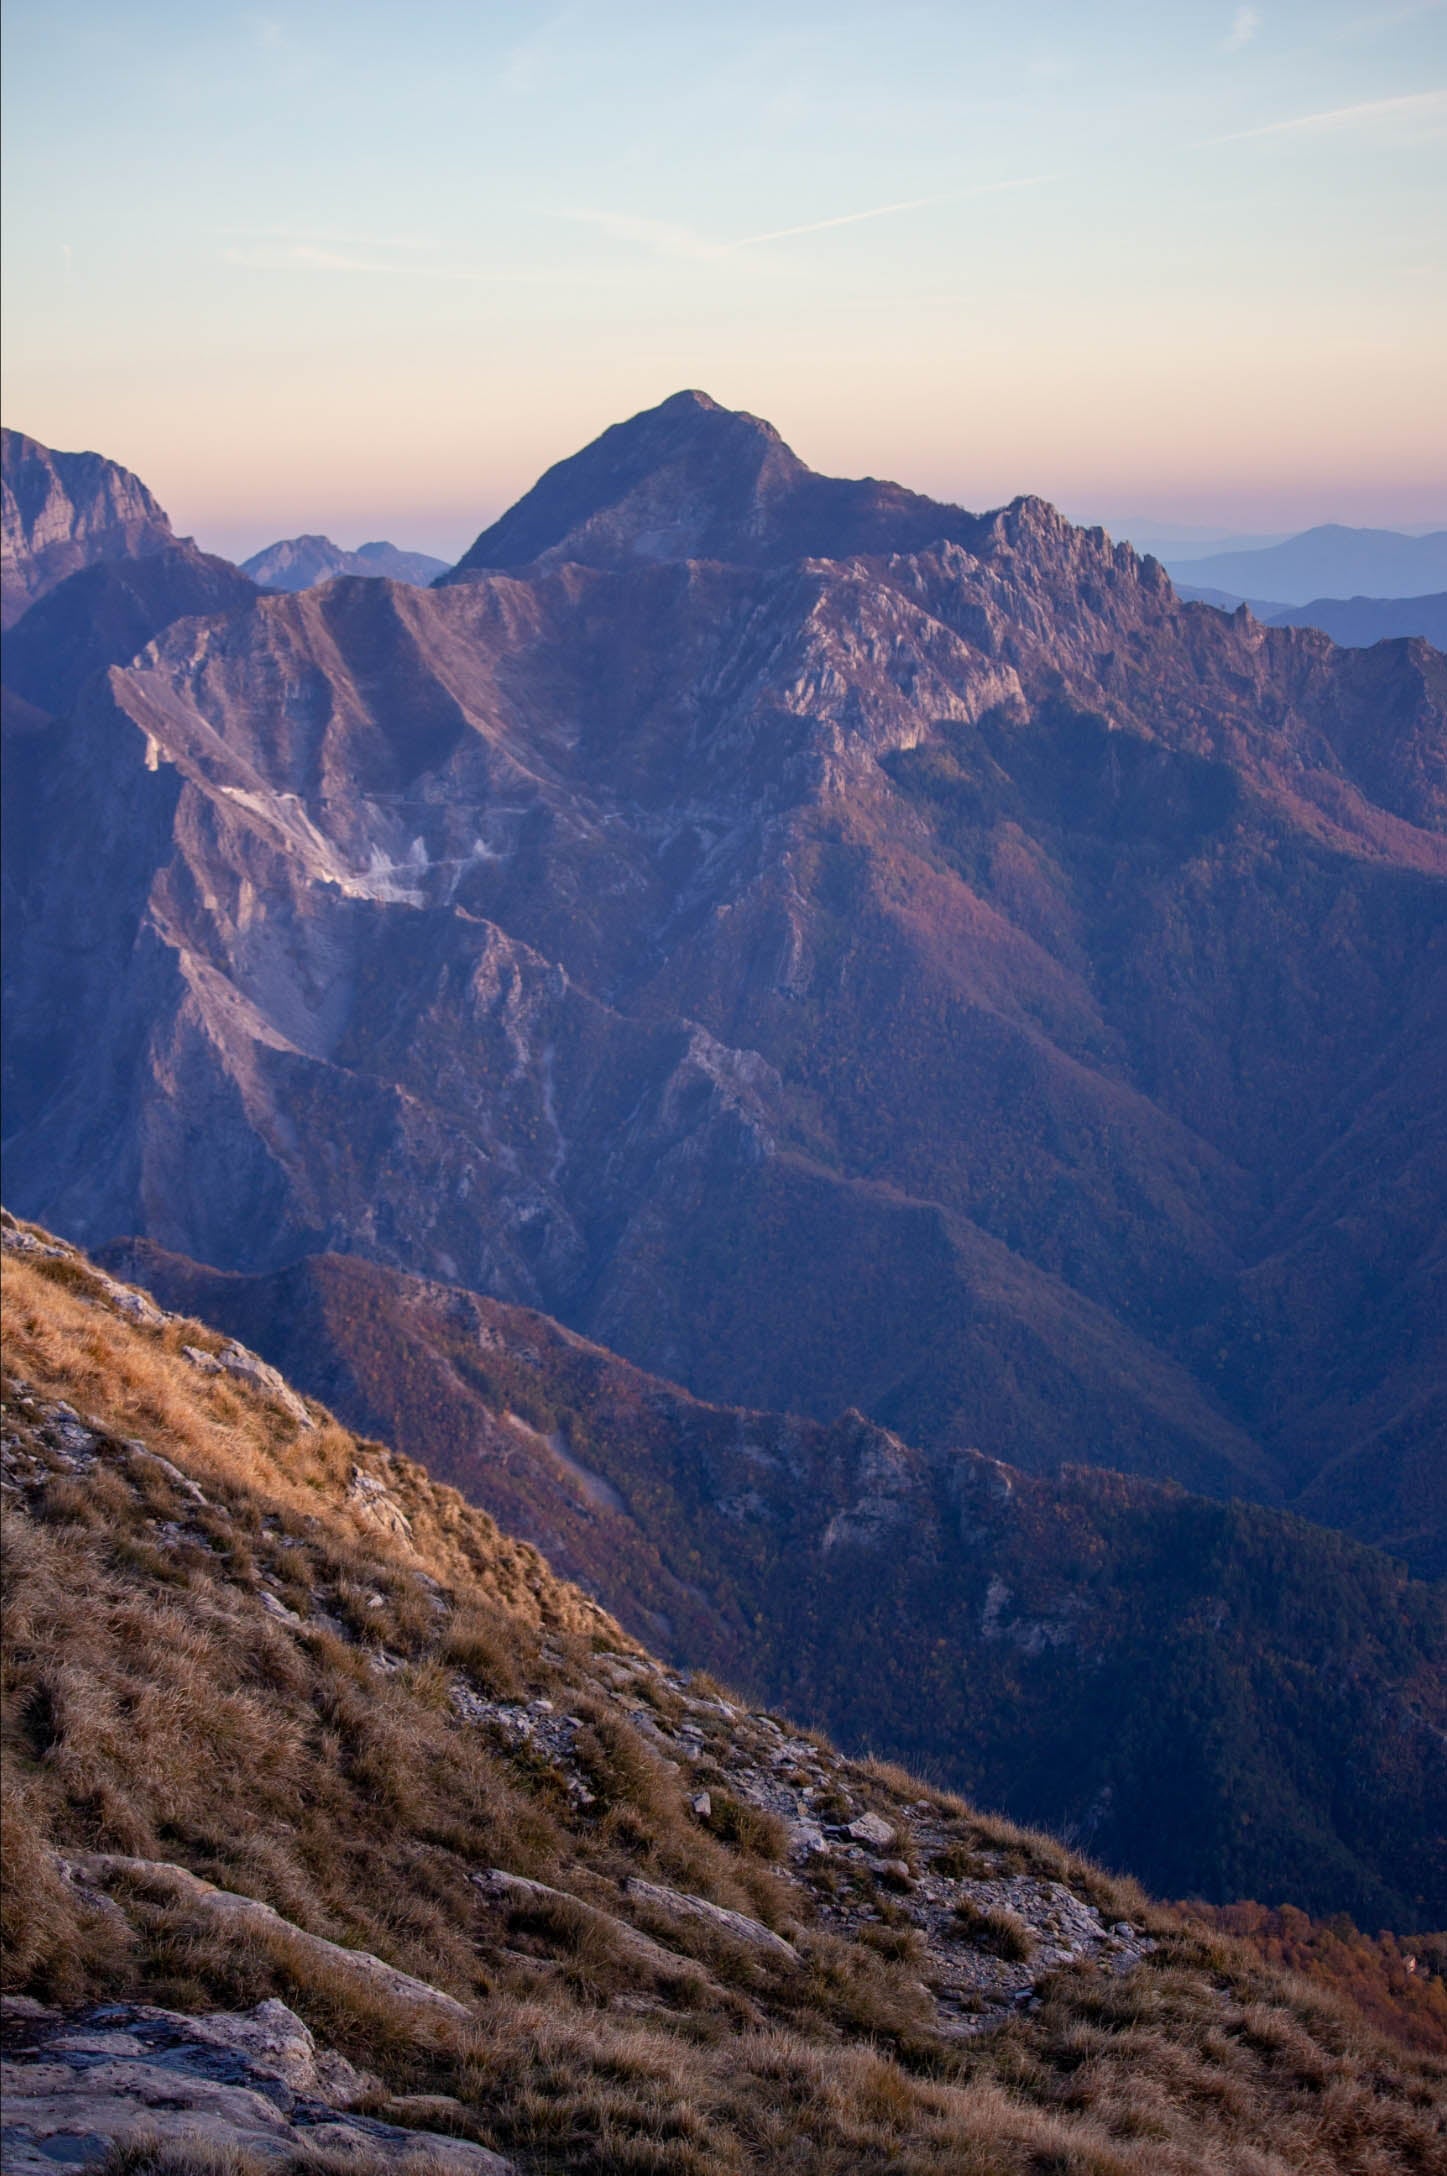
(659, 1931)
(1218, 1698)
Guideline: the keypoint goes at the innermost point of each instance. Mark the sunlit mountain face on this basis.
(836, 949)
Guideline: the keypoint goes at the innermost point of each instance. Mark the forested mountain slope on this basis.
(1218, 1698)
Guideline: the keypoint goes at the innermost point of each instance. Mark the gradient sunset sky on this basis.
(369, 268)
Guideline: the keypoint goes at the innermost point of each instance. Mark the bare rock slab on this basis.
(251, 2082)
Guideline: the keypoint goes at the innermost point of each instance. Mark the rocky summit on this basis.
(691, 480)
(60, 512)
(340, 1833)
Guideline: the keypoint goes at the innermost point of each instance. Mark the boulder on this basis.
(873, 1831)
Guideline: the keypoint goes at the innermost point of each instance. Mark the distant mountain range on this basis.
(1326, 562)
(300, 562)
(1356, 622)
(837, 951)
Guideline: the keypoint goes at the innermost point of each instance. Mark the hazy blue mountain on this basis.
(1360, 621)
(1330, 561)
(1227, 600)
(1352, 621)
(300, 562)
(1355, 622)
(1172, 540)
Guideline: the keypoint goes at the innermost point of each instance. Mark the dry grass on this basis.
(1001, 1933)
(750, 1828)
(155, 1706)
(142, 2156)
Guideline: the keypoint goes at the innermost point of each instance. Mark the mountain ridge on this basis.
(964, 983)
(106, 614)
(92, 572)
(1355, 622)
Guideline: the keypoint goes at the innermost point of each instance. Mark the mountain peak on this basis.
(300, 562)
(691, 479)
(65, 511)
(688, 426)
(702, 408)
(691, 397)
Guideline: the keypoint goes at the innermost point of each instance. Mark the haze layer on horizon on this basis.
(369, 270)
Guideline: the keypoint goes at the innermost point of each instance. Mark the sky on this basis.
(369, 268)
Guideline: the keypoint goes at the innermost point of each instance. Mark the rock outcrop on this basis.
(254, 1921)
(60, 512)
(117, 2075)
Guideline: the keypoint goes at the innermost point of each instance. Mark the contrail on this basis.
(885, 211)
(1412, 102)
